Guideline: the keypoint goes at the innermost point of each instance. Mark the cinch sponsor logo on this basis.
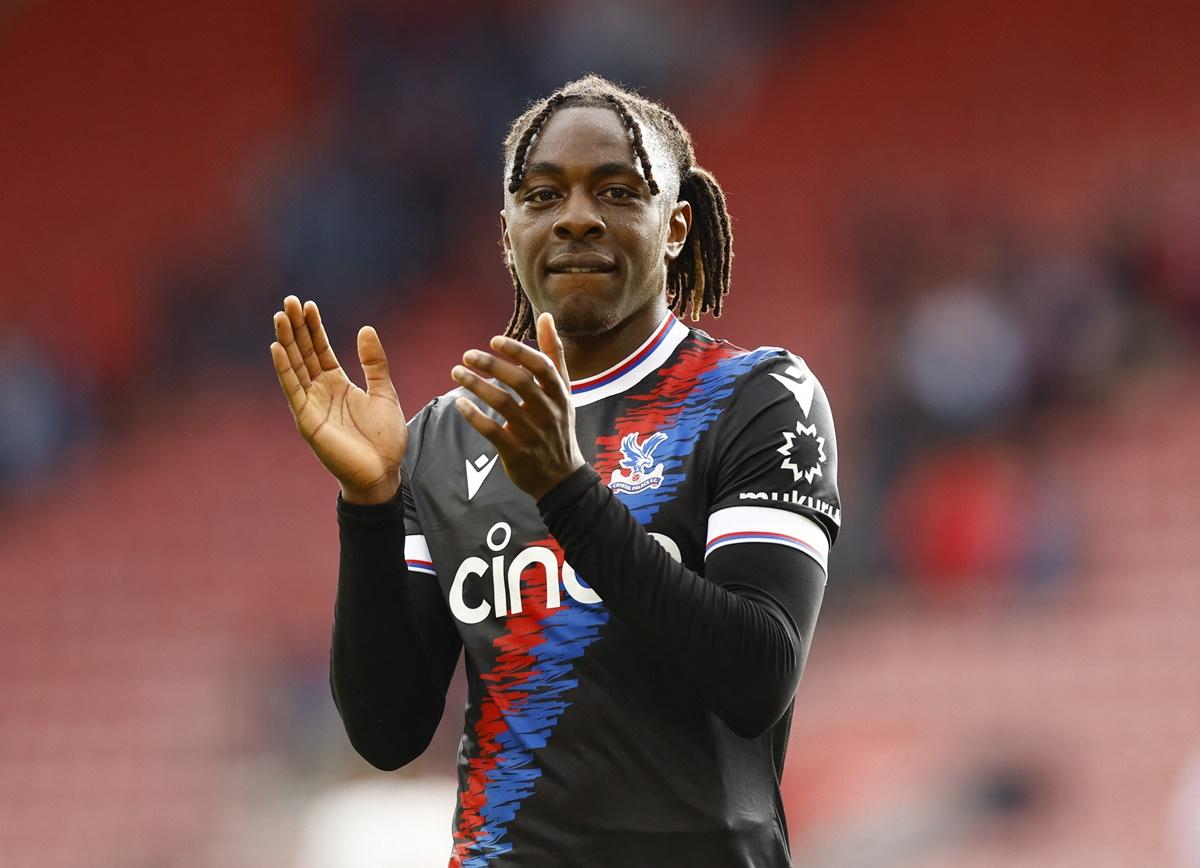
(504, 575)
(797, 498)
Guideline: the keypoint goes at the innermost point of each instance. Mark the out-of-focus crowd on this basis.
(964, 347)
(399, 161)
(980, 335)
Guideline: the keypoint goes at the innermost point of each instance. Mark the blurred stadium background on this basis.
(978, 222)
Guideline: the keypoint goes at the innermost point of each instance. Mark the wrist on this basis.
(568, 490)
(381, 492)
(540, 493)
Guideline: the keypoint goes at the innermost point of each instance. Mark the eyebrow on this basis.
(610, 168)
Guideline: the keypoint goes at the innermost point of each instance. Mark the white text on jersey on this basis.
(505, 577)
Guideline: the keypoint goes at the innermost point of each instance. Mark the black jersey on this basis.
(578, 746)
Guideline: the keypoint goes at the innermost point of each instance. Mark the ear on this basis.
(678, 225)
(504, 239)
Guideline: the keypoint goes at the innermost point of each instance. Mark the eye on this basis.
(618, 193)
(539, 194)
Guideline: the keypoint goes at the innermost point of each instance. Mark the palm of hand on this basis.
(359, 435)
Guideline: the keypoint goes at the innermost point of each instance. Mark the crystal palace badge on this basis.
(638, 458)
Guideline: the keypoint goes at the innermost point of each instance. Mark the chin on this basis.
(582, 315)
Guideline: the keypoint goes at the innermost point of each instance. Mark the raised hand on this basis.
(359, 436)
(537, 442)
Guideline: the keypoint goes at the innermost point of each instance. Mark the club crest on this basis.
(637, 460)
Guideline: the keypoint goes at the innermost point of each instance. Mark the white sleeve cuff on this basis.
(763, 524)
(416, 555)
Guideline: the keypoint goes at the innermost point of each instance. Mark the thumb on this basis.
(374, 364)
(550, 344)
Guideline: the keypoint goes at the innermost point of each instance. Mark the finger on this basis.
(292, 390)
(551, 344)
(511, 374)
(287, 339)
(374, 364)
(325, 357)
(295, 314)
(485, 425)
(498, 399)
(537, 363)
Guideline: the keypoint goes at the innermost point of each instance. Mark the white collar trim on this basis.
(632, 369)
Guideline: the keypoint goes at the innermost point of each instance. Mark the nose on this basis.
(579, 218)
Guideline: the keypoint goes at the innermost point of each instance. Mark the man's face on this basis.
(588, 241)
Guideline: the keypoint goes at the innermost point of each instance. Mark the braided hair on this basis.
(698, 278)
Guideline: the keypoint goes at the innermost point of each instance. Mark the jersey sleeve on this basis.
(776, 463)
(394, 647)
(416, 549)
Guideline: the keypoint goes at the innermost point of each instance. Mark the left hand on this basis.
(537, 441)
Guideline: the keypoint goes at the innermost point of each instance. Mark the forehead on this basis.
(583, 136)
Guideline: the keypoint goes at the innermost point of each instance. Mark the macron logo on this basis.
(477, 471)
(801, 384)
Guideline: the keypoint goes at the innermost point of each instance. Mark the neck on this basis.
(590, 354)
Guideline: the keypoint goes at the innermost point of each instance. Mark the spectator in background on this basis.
(1183, 819)
(35, 414)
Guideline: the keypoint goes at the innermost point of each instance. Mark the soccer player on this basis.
(626, 529)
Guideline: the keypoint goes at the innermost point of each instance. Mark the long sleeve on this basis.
(393, 649)
(739, 635)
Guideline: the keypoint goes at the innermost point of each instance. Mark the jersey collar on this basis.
(631, 370)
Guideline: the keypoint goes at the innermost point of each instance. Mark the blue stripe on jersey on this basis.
(567, 632)
(700, 407)
(570, 629)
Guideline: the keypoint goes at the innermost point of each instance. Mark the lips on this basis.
(580, 263)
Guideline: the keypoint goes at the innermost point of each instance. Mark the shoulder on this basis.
(783, 375)
(441, 414)
(774, 445)
(761, 376)
(717, 369)
(440, 422)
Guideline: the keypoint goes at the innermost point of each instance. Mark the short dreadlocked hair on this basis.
(698, 278)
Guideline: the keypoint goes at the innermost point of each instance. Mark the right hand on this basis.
(359, 436)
